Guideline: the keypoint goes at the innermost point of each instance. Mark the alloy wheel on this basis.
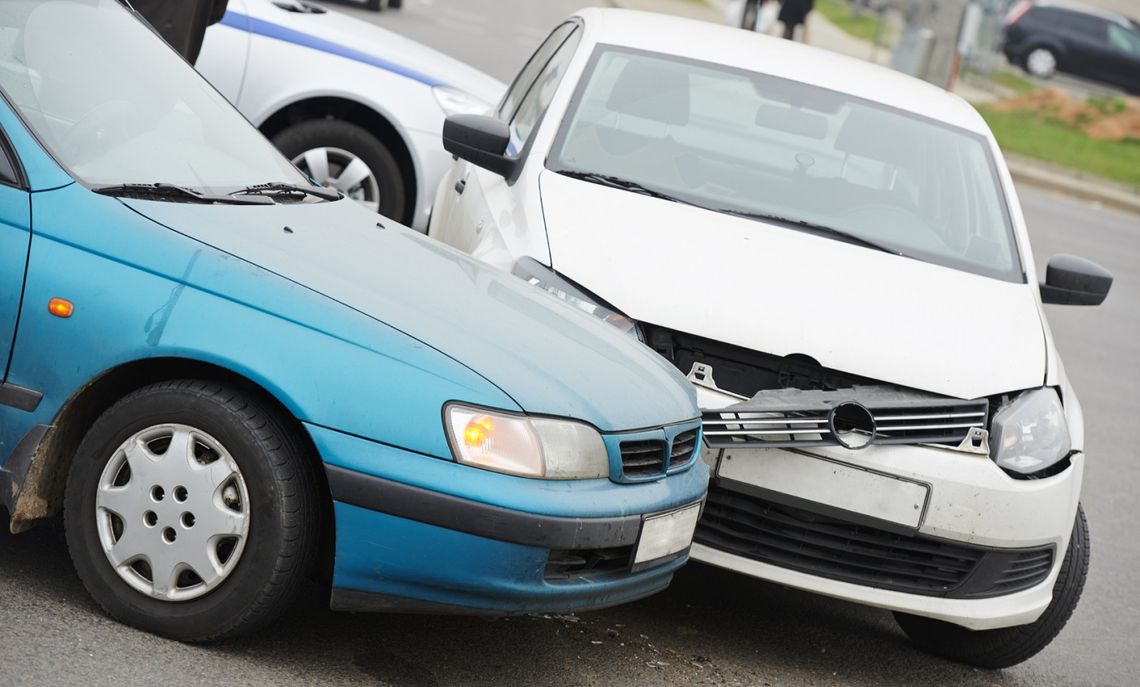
(338, 168)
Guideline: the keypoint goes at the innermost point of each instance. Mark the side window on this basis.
(9, 176)
(536, 101)
(525, 78)
(1124, 40)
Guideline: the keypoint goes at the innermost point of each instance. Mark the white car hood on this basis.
(780, 291)
(405, 55)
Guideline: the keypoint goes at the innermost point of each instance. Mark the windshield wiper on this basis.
(173, 192)
(281, 188)
(618, 182)
(812, 227)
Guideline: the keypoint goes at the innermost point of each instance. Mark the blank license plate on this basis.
(666, 534)
(830, 483)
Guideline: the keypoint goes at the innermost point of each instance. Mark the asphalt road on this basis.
(711, 627)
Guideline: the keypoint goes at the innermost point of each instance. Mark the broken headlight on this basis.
(548, 280)
(1030, 434)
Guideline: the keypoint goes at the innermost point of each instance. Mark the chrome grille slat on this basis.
(783, 418)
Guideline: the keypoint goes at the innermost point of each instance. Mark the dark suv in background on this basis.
(1046, 37)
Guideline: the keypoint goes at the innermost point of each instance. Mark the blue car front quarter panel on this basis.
(144, 292)
(418, 534)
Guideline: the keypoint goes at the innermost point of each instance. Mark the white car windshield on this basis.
(115, 105)
(788, 153)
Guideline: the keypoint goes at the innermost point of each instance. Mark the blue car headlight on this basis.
(1030, 434)
(540, 447)
(537, 274)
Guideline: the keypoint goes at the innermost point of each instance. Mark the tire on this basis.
(395, 4)
(1005, 647)
(259, 490)
(374, 5)
(384, 190)
(1041, 62)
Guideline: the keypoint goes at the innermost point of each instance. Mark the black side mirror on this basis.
(1070, 280)
(482, 141)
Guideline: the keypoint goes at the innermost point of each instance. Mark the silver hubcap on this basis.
(340, 169)
(172, 512)
(1041, 62)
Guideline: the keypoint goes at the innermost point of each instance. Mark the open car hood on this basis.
(782, 292)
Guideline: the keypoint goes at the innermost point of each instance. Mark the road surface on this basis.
(711, 627)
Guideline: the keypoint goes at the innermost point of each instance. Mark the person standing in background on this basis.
(794, 13)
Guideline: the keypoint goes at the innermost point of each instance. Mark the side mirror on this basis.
(1070, 280)
(482, 141)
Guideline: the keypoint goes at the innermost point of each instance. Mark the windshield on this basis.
(115, 105)
(757, 146)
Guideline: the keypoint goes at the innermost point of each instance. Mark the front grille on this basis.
(643, 458)
(571, 564)
(795, 418)
(803, 541)
(684, 448)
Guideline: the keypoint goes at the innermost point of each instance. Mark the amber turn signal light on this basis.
(61, 307)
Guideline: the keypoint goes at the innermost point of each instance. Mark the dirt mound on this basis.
(1109, 119)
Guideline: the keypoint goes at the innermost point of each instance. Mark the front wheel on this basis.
(344, 156)
(1009, 646)
(191, 511)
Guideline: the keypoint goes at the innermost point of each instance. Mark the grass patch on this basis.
(1013, 82)
(865, 26)
(1053, 141)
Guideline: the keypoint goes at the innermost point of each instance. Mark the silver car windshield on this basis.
(791, 154)
(115, 105)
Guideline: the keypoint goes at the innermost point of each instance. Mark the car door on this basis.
(1125, 60)
(1087, 51)
(486, 219)
(15, 238)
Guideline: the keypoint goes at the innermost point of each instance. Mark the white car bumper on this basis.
(961, 497)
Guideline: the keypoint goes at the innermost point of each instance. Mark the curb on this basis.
(1042, 177)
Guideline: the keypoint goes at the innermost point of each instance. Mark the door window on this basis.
(1124, 40)
(538, 60)
(536, 101)
(9, 176)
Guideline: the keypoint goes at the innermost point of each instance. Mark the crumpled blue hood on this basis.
(550, 358)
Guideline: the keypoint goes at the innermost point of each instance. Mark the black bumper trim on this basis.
(472, 517)
(20, 398)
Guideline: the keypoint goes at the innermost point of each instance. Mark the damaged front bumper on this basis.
(929, 525)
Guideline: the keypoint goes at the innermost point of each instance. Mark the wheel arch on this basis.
(369, 118)
(41, 493)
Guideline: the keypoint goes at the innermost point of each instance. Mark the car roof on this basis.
(1083, 9)
(777, 57)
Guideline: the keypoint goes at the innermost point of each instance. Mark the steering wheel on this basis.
(107, 123)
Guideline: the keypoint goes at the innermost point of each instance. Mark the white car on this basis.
(355, 106)
(835, 254)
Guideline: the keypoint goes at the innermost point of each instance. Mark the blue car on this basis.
(228, 379)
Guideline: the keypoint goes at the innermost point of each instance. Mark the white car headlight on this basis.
(1030, 433)
(454, 101)
(526, 446)
(546, 279)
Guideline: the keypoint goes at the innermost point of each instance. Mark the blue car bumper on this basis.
(416, 533)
